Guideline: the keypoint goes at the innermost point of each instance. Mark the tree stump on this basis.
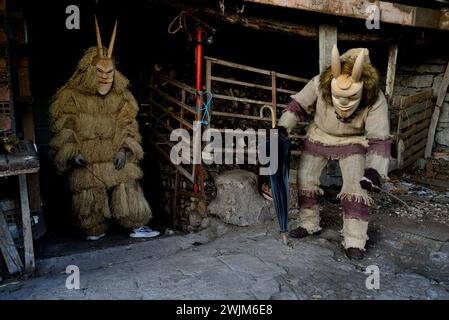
(238, 200)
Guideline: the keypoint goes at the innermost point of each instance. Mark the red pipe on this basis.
(199, 97)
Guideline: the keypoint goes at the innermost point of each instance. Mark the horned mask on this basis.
(104, 63)
(346, 89)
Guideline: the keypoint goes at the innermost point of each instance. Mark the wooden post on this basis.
(436, 113)
(26, 224)
(8, 248)
(327, 38)
(273, 93)
(391, 71)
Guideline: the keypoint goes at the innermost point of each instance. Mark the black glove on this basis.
(120, 159)
(371, 180)
(79, 160)
(282, 131)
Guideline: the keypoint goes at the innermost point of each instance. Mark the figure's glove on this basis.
(79, 160)
(120, 159)
(371, 180)
(282, 131)
(288, 120)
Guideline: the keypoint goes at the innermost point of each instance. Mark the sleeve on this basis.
(64, 144)
(377, 129)
(302, 104)
(130, 138)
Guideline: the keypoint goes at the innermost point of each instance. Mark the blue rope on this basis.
(206, 109)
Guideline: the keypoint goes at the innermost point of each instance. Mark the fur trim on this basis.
(311, 193)
(370, 78)
(353, 197)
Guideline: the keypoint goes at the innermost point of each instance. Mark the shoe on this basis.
(144, 232)
(299, 232)
(354, 254)
(265, 190)
(95, 238)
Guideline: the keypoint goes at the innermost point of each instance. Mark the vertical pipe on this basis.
(199, 99)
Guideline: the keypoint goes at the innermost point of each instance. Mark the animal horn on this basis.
(335, 62)
(111, 44)
(358, 67)
(99, 44)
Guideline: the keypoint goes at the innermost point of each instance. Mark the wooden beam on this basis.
(391, 71)
(327, 39)
(26, 223)
(389, 12)
(263, 23)
(8, 248)
(436, 113)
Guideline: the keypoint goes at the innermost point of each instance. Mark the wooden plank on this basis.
(413, 129)
(26, 224)
(174, 116)
(389, 12)
(8, 248)
(415, 109)
(412, 159)
(327, 39)
(237, 115)
(417, 118)
(9, 173)
(436, 113)
(250, 85)
(238, 66)
(415, 138)
(175, 83)
(391, 71)
(293, 78)
(407, 101)
(413, 149)
(183, 171)
(244, 100)
(171, 99)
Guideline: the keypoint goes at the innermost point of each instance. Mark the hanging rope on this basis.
(180, 20)
(206, 108)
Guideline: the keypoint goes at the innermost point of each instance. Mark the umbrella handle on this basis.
(284, 238)
(273, 115)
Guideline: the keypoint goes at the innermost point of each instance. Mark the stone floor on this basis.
(225, 262)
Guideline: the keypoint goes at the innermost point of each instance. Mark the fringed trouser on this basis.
(354, 199)
(127, 205)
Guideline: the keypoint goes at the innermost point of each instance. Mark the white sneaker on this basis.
(95, 238)
(144, 232)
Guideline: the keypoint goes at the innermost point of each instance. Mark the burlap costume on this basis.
(97, 127)
(359, 142)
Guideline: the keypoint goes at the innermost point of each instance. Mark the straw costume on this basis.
(96, 141)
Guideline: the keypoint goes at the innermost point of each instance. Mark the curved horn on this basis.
(99, 44)
(358, 67)
(111, 44)
(335, 63)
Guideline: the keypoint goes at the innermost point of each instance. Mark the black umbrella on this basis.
(279, 178)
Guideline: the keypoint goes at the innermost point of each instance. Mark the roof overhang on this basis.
(389, 12)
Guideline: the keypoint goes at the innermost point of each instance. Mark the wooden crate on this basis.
(414, 113)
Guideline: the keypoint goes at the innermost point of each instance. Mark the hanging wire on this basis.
(180, 20)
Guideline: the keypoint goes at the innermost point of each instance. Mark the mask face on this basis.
(346, 95)
(346, 89)
(104, 65)
(105, 75)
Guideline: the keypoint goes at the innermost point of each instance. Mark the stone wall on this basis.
(419, 72)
